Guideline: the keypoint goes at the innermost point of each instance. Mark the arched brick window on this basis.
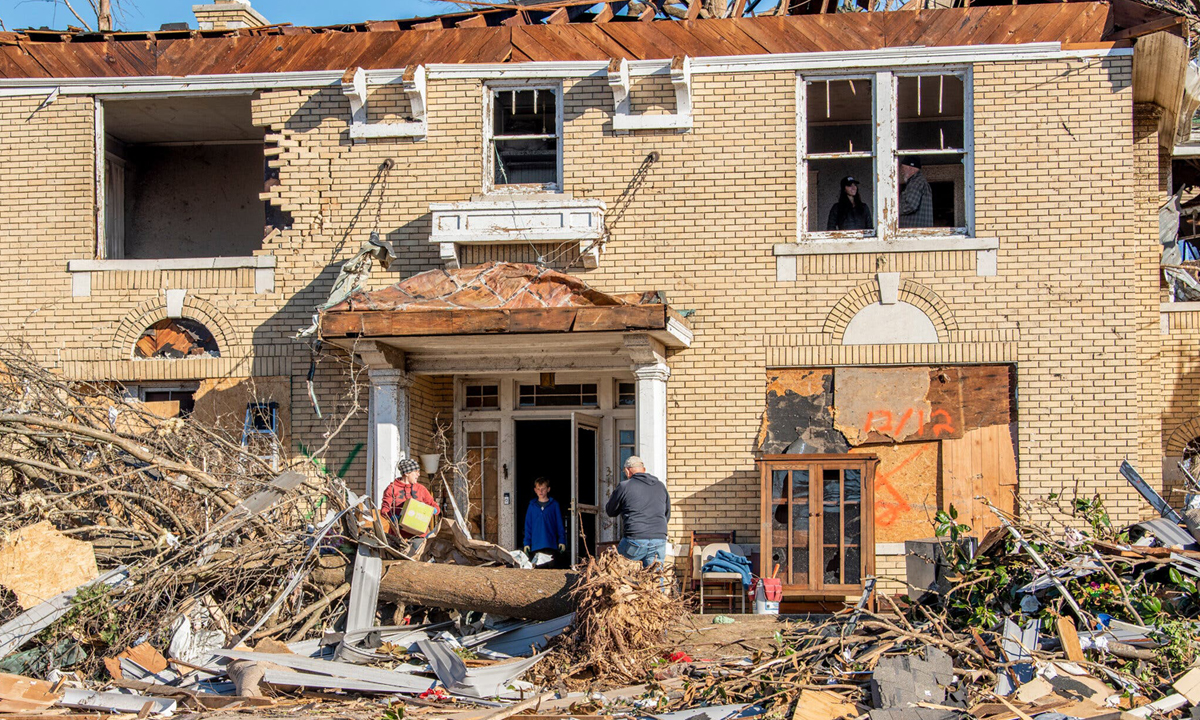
(176, 338)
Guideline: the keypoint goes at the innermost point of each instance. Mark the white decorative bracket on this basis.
(624, 120)
(354, 87)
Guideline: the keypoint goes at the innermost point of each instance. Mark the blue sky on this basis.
(150, 14)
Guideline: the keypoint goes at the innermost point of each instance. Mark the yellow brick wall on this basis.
(1074, 303)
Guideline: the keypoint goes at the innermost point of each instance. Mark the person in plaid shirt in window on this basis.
(916, 199)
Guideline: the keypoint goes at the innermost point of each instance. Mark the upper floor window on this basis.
(524, 138)
(182, 178)
(884, 155)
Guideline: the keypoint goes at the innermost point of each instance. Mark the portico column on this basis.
(651, 416)
(387, 427)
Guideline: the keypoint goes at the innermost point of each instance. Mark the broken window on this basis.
(931, 134)
(175, 338)
(525, 138)
(168, 402)
(819, 524)
(558, 396)
(182, 178)
(482, 396)
(839, 155)
(626, 394)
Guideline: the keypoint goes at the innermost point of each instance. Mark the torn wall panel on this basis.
(798, 417)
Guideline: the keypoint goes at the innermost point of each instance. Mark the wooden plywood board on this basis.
(881, 404)
(906, 490)
(38, 562)
(981, 463)
(20, 694)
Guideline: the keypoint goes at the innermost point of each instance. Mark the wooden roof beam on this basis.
(558, 17)
(477, 20)
(605, 14)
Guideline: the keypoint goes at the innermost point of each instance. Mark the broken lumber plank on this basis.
(1069, 639)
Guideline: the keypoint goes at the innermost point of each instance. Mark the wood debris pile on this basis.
(622, 614)
(189, 516)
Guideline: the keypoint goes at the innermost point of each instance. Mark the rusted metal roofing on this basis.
(293, 50)
(490, 286)
(491, 298)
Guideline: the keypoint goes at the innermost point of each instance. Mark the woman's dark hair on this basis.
(846, 199)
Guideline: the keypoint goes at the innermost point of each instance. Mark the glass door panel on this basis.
(585, 477)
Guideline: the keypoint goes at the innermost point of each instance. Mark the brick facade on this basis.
(1066, 179)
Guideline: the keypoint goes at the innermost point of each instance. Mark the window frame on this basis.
(490, 89)
(885, 116)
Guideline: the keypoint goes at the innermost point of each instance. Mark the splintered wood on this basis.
(622, 612)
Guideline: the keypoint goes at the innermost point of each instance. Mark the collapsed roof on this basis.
(584, 36)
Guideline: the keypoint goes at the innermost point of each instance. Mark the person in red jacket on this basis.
(403, 488)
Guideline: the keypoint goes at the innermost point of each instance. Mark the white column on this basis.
(387, 437)
(651, 422)
(387, 427)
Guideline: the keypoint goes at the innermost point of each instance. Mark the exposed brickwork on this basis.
(1073, 305)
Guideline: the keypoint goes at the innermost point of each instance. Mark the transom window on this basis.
(884, 155)
(575, 395)
(482, 396)
(524, 138)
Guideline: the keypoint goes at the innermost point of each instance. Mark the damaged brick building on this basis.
(612, 235)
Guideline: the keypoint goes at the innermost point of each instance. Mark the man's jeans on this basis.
(647, 552)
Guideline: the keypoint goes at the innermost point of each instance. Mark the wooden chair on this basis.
(729, 583)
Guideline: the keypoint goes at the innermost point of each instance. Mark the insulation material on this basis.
(885, 404)
(798, 417)
(38, 562)
(906, 490)
(982, 463)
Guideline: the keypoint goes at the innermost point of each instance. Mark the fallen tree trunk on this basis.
(511, 592)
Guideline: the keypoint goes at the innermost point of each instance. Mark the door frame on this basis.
(610, 414)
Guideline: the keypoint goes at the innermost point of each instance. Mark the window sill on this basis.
(520, 219)
(927, 243)
(262, 265)
(985, 250)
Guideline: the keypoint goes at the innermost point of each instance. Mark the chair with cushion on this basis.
(727, 584)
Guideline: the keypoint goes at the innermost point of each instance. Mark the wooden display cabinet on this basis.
(818, 522)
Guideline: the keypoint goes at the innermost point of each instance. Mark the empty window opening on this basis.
(558, 396)
(168, 402)
(182, 178)
(176, 338)
(482, 396)
(931, 132)
(840, 151)
(525, 139)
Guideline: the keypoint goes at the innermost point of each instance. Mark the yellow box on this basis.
(415, 516)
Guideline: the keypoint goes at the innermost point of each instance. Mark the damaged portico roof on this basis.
(497, 298)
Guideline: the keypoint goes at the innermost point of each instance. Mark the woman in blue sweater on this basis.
(544, 525)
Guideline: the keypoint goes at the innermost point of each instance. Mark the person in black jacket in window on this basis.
(849, 212)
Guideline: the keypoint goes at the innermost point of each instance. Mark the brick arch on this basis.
(913, 293)
(143, 316)
(1183, 435)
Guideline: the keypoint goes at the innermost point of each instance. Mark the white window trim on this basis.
(884, 154)
(489, 169)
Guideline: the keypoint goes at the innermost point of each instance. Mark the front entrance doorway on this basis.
(566, 452)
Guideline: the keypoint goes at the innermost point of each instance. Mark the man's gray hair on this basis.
(633, 461)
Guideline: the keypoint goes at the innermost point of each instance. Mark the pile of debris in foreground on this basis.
(152, 566)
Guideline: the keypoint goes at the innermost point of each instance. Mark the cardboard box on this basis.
(414, 517)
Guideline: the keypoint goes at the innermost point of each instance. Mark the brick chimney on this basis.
(227, 15)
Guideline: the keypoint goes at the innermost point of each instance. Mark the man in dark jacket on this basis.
(644, 506)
